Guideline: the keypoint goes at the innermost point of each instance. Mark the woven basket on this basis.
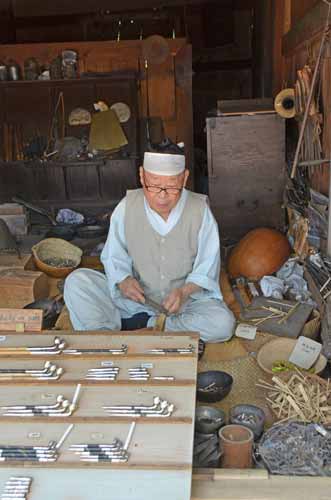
(280, 349)
(312, 327)
(58, 249)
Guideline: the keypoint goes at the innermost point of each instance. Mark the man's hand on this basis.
(177, 297)
(131, 289)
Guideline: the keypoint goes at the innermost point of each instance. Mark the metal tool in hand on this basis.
(155, 305)
(161, 319)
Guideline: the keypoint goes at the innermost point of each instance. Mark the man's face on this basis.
(164, 201)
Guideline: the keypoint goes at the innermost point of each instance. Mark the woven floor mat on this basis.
(259, 341)
(246, 373)
(225, 351)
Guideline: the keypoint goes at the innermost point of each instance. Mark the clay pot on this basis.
(261, 252)
(236, 446)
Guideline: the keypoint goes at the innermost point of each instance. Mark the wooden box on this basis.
(246, 169)
(19, 287)
(160, 453)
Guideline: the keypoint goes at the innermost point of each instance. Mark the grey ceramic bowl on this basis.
(208, 419)
(249, 416)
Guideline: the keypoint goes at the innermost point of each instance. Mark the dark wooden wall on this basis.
(300, 45)
(300, 7)
(169, 89)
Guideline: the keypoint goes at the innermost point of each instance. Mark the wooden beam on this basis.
(287, 16)
(33, 8)
(311, 25)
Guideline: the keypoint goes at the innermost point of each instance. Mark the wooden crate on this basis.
(246, 169)
(160, 462)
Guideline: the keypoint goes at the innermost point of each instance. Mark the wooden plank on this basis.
(69, 466)
(257, 485)
(278, 58)
(184, 114)
(92, 420)
(161, 447)
(116, 177)
(92, 481)
(119, 335)
(62, 7)
(83, 183)
(311, 25)
(300, 7)
(26, 320)
(7, 260)
(161, 89)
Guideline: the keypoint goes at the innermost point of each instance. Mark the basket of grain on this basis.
(56, 257)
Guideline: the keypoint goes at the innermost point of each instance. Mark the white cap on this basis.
(164, 164)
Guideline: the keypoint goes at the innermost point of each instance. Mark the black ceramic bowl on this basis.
(213, 386)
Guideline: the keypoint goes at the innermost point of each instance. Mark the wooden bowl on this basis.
(56, 248)
(280, 349)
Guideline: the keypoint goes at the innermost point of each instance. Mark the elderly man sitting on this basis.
(163, 245)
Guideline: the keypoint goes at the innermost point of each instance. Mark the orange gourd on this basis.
(261, 252)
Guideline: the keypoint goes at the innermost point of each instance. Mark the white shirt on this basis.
(206, 269)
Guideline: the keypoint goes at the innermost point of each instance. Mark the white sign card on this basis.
(246, 331)
(305, 352)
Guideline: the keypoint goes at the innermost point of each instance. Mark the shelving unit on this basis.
(160, 447)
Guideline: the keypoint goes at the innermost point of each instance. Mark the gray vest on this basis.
(161, 263)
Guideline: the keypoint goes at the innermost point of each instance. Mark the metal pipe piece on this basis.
(64, 437)
(59, 401)
(129, 436)
(156, 402)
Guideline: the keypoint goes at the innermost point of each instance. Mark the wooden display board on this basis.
(160, 452)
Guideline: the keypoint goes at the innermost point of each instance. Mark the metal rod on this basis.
(64, 437)
(129, 436)
(77, 391)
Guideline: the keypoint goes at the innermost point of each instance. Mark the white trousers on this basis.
(87, 296)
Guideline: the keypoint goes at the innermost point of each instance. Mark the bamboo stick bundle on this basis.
(304, 398)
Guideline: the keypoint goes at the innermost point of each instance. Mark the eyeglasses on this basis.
(158, 189)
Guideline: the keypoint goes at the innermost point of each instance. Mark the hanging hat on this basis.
(164, 164)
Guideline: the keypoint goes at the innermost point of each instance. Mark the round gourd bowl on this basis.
(262, 251)
(280, 350)
(56, 257)
(213, 386)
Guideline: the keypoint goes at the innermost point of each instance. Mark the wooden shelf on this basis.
(109, 357)
(95, 420)
(97, 383)
(101, 465)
